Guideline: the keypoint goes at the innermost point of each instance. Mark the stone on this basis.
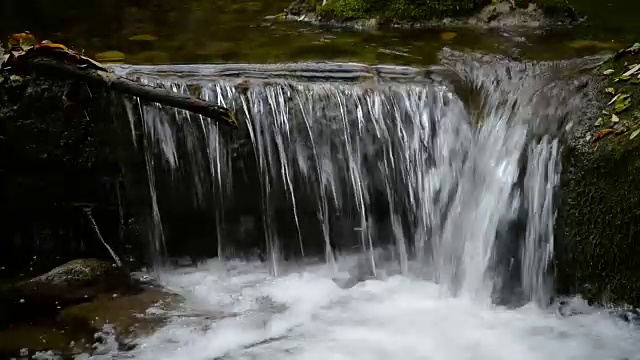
(484, 13)
(599, 197)
(75, 281)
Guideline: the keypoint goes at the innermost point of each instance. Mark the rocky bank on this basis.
(484, 13)
(61, 310)
(598, 223)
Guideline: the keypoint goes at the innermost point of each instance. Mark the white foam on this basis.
(305, 315)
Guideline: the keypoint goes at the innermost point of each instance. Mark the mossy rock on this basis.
(598, 223)
(400, 10)
(80, 273)
(551, 8)
(416, 10)
(74, 282)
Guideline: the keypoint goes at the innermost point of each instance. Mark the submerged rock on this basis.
(128, 314)
(81, 328)
(62, 309)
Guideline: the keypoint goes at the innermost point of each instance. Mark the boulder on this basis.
(598, 222)
(74, 282)
(459, 12)
(66, 157)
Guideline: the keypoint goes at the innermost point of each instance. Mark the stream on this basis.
(392, 225)
(402, 210)
(305, 314)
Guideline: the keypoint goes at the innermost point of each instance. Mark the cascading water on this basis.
(454, 167)
(448, 185)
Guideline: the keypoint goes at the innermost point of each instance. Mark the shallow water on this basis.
(245, 313)
(206, 31)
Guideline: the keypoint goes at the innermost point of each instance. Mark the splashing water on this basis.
(445, 176)
(238, 310)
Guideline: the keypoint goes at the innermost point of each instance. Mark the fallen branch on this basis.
(115, 257)
(52, 68)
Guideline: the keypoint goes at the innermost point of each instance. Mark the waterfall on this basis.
(454, 167)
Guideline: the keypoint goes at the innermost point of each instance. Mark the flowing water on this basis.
(208, 31)
(360, 212)
(403, 212)
(242, 312)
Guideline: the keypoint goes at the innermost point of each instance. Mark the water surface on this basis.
(208, 31)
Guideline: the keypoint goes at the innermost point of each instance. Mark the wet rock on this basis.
(64, 158)
(502, 14)
(597, 229)
(76, 281)
(485, 13)
(525, 14)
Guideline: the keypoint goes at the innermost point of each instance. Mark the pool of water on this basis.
(210, 31)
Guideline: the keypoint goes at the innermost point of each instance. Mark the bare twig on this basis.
(95, 227)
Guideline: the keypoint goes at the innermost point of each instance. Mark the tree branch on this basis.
(51, 68)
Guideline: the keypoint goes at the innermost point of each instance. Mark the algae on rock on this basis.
(402, 10)
(414, 10)
(598, 224)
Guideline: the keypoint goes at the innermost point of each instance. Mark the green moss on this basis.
(600, 222)
(415, 10)
(598, 225)
(551, 8)
(402, 10)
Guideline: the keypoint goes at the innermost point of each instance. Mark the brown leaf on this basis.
(602, 133)
(23, 40)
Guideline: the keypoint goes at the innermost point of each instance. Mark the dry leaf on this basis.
(602, 133)
(447, 35)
